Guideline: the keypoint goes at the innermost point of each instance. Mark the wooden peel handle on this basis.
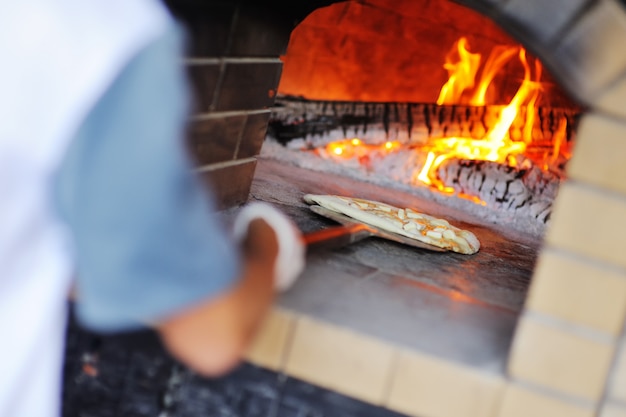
(336, 237)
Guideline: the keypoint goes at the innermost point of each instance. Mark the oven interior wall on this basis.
(394, 51)
(569, 352)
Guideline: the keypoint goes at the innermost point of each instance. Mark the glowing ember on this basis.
(356, 149)
(462, 87)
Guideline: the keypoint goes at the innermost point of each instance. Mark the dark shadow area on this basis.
(131, 375)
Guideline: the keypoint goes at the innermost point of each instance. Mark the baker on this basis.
(98, 193)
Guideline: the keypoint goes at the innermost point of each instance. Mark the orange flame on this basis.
(499, 56)
(462, 74)
(461, 88)
(496, 145)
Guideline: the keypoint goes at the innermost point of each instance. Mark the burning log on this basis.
(320, 122)
(519, 190)
(525, 189)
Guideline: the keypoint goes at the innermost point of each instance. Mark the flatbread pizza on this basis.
(403, 221)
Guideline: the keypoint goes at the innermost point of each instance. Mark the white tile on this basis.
(578, 291)
(559, 360)
(519, 401)
(590, 222)
(613, 410)
(340, 359)
(598, 155)
(426, 386)
(583, 66)
(617, 388)
(613, 99)
(269, 345)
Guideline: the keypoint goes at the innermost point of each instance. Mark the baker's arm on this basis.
(274, 256)
(213, 336)
(148, 248)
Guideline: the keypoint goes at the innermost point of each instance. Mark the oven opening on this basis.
(427, 105)
(435, 100)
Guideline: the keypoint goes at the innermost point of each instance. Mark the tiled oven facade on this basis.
(569, 351)
(234, 68)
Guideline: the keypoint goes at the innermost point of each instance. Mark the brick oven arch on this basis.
(569, 307)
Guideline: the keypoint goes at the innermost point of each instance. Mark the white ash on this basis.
(517, 198)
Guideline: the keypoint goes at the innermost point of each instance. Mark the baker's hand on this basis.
(290, 259)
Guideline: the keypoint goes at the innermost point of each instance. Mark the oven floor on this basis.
(457, 307)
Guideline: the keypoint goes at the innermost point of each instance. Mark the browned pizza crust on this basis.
(403, 221)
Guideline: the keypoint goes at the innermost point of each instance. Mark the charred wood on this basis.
(315, 121)
(528, 190)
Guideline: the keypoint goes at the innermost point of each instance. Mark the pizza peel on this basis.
(351, 231)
